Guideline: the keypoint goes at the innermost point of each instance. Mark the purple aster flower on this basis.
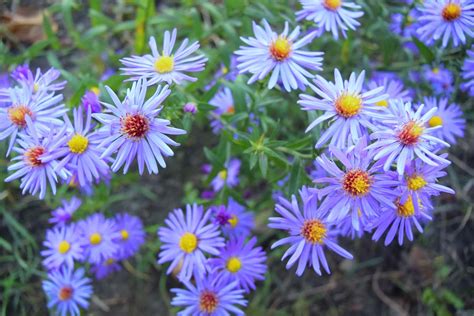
(279, 54)
(168, 66)
(190, 107)
(224, 103)
(4, 86)
(440, 79)
(80, 152)
(448, 116)
(209, 297)
(135, 131)
(240, 261)
(309, 232)
(400, 219)
(394, 87)
(186, 239)
(450, 20)
(63, 214)
(105, 268)
(405, 136)
(44, 111)
(63, 247)
(132, 235)
(208, 194)
(356, 190)
(406, 27)
(468, 73)
(98, 234)
(90, 102)
(331, 15)
(349, 110)
(34, 173)
(228, 176)
(21, 72)
(67, 290)
(234, 220)
(228, 73)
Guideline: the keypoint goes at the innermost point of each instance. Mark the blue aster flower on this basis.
(229, 176)
(63, 247)
(132, 235)
(331, 15)
(468, 73)
(440, 79)
(63, 214)
(405, 136)
(133, 130)
(356, 190)
(105, 268)
(186, 240)
(40, 83)
(279, 54)
(234, 219)
(346, 107)
(209, 297)
(91, 102)
(309, 232)
(240, 261)
(98, 234)
(451, 20)
(44, 112)
(224, 103)
(449, 116)
(406, 26)
(67, 291)
(34, 173)
(393, 87)
(168, 66)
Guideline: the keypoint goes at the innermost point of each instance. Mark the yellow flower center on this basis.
(95, 90)
(35, 87)
(407, 209)
(332, 4)
(78, 144)
(416, 182)
(435, 121)
(124, 234)
(435, 70)
(109, 261)
(208, 302)
(356, 182)
(64, 247)
(222, 174)
(233, 221)
(280, 49)
(17, 114)
(188, 242)
(225, 70)
(234, 264)
(164, 64)
(410, 133)
(313, 231)
(382, 103)
(451, 11)
(348, 105)
(95, 238)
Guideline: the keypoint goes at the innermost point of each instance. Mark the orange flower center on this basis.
(451, 12)
(348, 105)
(65, 293)
(332, 4)
(410, 133)
(135, 125)
(33, 154)
(313, 231)
(208, 302)
(17, 114)
(356, 182)
(230, 110)
(280, 49)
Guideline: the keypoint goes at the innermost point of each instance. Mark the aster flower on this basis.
(186, 239)
(393, 85)
(98, 234)
(227, 176)
(80, 151)
(132, 235)
(468, 73)
(168, 66)
(105, 268)
(309, 232)
(400, 219)
(223, 72)
(34, 173)
(91, 102)
(279, 54)
(406, 26)
(209, 297)
(448, 116)
(21, 72)
(67, 291)
(451, 20)
(44, 112)
(63, 214)
(240, 261)
(348, 109)
(63, 247)
(331, 15)
(42, 83)
(190, 107)
(135, 131)
(440, 79)
(234, 220)
(356, 190)
(224, 103)
(405, 136)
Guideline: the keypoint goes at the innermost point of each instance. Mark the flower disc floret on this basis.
(188, 242)
(78, 144)
(451, 12)
(314, 231)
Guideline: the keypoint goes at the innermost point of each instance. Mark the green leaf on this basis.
(427, 54)
(263, 164)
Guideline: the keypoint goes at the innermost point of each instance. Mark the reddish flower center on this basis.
(17, 114)
(332, 5)
(33, 154)
(208, 302)
(280, 49)
(314, 231)
(135, 125)
(230, 110)
(356, 182)
(451, 12)
(410, 133)
(65, 293)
